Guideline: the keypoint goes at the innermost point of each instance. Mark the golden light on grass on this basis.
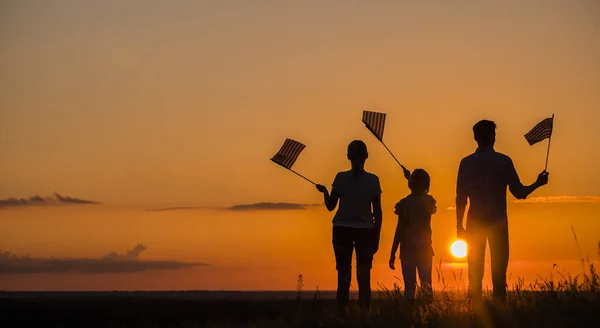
(459, 249)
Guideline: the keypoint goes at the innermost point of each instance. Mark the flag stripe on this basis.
(288, 154)
(540, 131)
(375, 122)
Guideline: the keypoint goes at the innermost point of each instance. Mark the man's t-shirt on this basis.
(356, 194)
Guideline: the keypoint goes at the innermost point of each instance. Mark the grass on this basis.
(561, 300)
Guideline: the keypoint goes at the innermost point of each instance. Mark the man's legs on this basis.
(498, 238)
(364, 263)
(477, 237)
(343, 245)
(424, 265)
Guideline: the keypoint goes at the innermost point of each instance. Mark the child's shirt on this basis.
(414, 217)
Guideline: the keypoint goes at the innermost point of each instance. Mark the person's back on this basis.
(357, 190)
(356, 224)
(482, 181)
(484, 178)
(413, 235)
(414, 213)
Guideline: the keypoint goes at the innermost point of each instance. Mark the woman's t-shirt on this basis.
(356, 194)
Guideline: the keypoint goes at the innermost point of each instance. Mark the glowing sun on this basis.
(459, 249)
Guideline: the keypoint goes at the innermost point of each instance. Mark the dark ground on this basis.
(202, 309)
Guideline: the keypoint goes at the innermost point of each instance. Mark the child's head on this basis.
(419, 181)
(357, 152)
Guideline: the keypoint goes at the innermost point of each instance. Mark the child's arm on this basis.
(400, 227)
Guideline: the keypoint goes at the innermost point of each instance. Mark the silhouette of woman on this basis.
(356, 224)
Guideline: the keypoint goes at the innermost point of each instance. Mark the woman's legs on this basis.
(364, 263)
(343, 245)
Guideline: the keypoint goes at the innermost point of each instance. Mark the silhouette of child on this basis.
(356, 224)
(413, 235)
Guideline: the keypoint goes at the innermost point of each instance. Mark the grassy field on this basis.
(562, 301)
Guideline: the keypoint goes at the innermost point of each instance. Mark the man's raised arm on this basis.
(517, 188)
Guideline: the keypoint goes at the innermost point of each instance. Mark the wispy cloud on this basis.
(113, 262)
(265, 206)
(560, 199)
(270, 206)
(69, 200)
(451, 208)
(178, 208)
(55, 199)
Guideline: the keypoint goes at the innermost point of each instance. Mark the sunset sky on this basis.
(143, 105)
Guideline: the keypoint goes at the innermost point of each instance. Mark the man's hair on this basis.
(419, 181)
(357, 149)
(484, 132)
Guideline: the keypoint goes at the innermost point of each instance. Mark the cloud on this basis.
(175, 208)
(451, 208)
(113, 262)
(36, 200)
(270, 206)
(69, 200)
(265, 206)
(560, 199)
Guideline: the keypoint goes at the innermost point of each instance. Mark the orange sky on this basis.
(149, 104)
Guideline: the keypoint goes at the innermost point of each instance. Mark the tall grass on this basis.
(560, 300)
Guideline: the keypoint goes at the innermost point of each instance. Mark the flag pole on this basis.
(298, 174)
(303, 177)
(549, 140)
(404, 169)
(386, 147)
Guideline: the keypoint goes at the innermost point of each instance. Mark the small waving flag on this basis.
(540, 131)
(288, 154)
(375, 122)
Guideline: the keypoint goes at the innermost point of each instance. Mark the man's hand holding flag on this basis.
(541, 131)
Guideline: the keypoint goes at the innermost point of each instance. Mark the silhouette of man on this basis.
(356, 224)
(483, 178)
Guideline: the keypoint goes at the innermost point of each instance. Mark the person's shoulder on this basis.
(430, 198)
(503, 157)
(468, 158)
(342, 174)
(402, 202)
(372, 176)
(340, 179)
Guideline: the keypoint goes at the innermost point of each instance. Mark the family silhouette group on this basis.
(483, 179)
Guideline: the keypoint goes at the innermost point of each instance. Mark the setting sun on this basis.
(459, 249)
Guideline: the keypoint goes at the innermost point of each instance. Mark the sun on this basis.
(459, 249)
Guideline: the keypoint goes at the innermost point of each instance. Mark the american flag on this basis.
(540, 131)
(287, 155)
(375, 122)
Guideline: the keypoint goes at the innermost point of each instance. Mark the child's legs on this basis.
(409, 273)
(364, 263)
(343, 246)
(424, 267)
